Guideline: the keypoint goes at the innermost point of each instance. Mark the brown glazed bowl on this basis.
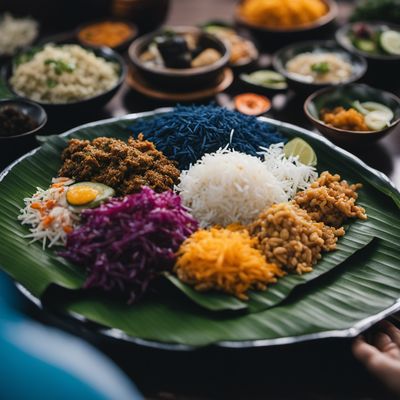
(180, 80)
(344, 96)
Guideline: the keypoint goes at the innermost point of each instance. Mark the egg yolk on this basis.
(81, 195)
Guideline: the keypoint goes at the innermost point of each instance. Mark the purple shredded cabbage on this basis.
(125, 243)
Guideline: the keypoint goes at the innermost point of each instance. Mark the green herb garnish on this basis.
(60, 66)
(321, 67)
(51, 83)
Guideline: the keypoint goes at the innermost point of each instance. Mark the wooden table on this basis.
(319, 370)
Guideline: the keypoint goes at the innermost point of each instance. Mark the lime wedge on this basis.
(390, 42)
(299, 148)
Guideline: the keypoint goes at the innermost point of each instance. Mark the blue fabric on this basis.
(38, 362)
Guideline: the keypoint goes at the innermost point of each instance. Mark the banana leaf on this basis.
(363, 287)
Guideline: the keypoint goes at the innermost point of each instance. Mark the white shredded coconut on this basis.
(231, 187)
(48, 214)
(294, 175)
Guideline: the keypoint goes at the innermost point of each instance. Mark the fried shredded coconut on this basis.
(288, 237)
(224, 260)
(126, 167)
(331, 200)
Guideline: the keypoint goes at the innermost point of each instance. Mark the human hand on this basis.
(382, 356)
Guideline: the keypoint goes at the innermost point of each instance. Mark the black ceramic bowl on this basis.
(384, 66)
(297, 83)
(181, 80)
(121, 47)
(274, 38)
(11, 147)
(98, 101)
(344, 96)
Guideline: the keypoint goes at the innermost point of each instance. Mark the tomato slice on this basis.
(252, 104)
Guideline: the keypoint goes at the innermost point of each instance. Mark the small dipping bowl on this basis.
(300, 84)
(344, 96)
(120, 47)
(12, 147)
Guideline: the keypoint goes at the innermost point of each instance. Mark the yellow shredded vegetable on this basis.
(224, 260)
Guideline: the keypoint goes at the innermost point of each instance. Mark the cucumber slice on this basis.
(373, 106)
(266, 78)
(366, 45)
(376, 120)
(390, 42)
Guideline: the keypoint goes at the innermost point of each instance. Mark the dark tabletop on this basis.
(317, 370)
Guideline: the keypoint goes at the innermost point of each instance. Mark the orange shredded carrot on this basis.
(226, 261)
(47, 220)
(68, 229)
(36, 206)
(50, 203)
(57, 184)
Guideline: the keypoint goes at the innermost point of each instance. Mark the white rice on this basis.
(40, 81)
(16, 33)
(228, 187)
(54, 233)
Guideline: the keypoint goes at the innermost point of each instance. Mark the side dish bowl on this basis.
(122, 46)
(184, 79)
(344, 96)
(14, 146)
(274, 38)
(300, 84)
(96, 101)
(343, 38)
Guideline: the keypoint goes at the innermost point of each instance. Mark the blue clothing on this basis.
(38, 362)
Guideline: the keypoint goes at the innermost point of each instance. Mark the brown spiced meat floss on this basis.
(126, 167)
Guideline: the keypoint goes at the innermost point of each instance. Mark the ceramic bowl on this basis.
(186, 79)
(274, 38)
(344, 96)
(97, 101)
(119, 48)
(11, 147)
(301, 84)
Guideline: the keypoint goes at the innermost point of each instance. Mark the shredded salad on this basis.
(48, 214)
